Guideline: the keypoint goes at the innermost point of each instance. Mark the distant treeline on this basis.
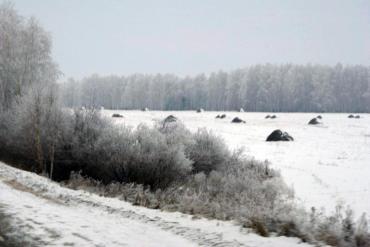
(272, 88)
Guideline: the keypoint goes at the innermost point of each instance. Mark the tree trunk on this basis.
(52, 152)
(39, 156)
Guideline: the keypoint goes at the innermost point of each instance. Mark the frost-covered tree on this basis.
(268, 87)
(25, 55)
(28, 111)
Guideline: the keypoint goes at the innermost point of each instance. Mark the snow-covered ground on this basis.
(47, 214)
(326, 164)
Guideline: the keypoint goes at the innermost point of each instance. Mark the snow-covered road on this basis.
(50, 215)
(58, 224)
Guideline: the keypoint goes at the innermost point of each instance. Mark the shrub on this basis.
(207, 151)
(154, 161)
(259, 227)
(86, 130)
(362, 235)
(175, 132)
(144, 156)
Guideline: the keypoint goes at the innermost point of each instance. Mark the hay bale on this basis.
(221, 116)
(117, 115)
(169, 124)
(278, 135)
(237, 120)
(170, 119)
(314, 121)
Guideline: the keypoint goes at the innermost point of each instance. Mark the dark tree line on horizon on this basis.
(272, 88)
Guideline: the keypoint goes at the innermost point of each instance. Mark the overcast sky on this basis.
(192, 36)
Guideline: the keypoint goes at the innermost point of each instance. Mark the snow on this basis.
(327, 164)
(59, 216)
(79, 224)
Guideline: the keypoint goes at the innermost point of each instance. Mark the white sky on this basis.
(193, 36)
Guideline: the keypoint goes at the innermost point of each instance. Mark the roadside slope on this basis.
(50, 215)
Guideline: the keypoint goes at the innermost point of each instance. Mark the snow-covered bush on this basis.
(241, 190)
(337, 229)
(362, 236)
(111, 153)
(207, 151)
(152, 160)
(86, 128)
(175, 132)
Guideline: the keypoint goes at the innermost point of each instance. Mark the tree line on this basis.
(268, 87)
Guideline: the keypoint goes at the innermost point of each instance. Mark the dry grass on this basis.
(18, 186)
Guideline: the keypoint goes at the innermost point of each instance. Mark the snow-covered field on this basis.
(326, 164)
(46, 214)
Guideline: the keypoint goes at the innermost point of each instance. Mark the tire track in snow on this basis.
(83, 205)
(77, 198)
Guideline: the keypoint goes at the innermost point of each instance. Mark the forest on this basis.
(268, 87)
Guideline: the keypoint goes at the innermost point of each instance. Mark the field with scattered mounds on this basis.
(326, 164)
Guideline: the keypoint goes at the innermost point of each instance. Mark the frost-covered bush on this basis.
(336, 229)
(85, 130)
(340, 229)
(242, 190)
(207, 151)
(362, 236)
(143, 155)
(86, 141)
(153, 161)
(175, 132)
